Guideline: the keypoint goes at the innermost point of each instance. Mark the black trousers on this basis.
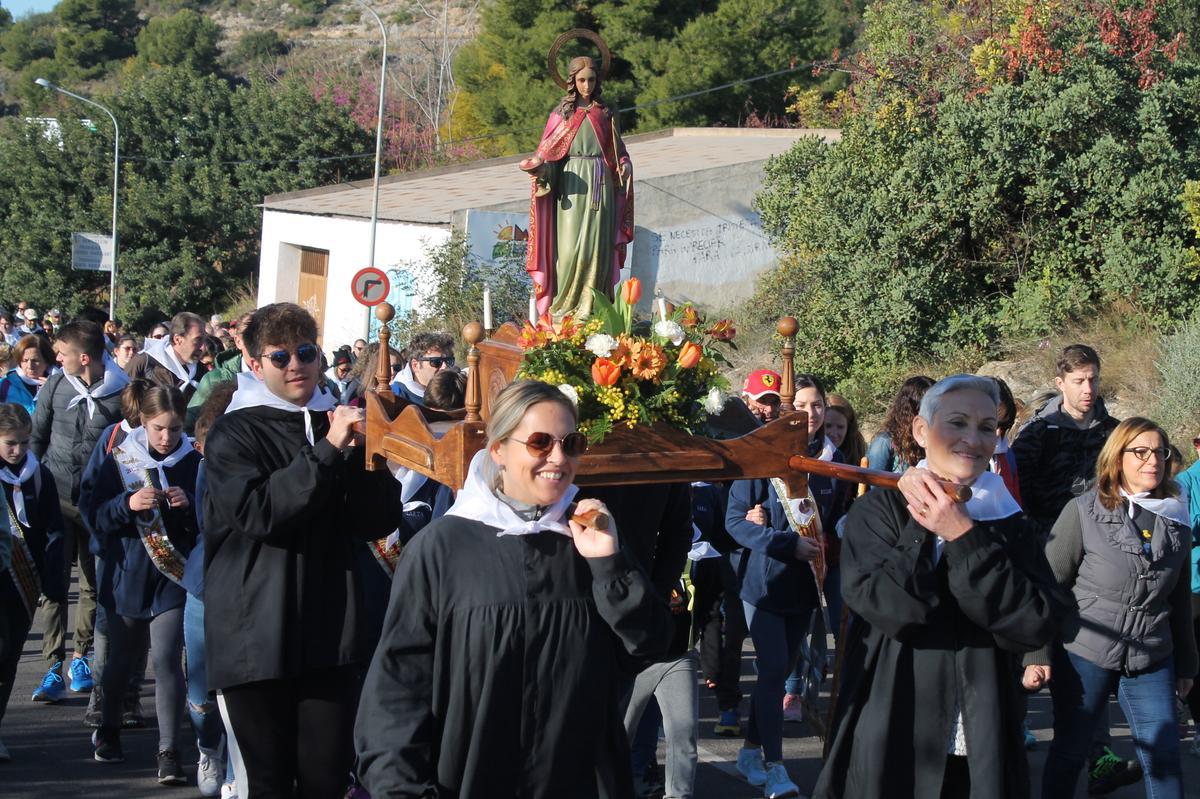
(722, 625)
(14, 629)
(294, 736)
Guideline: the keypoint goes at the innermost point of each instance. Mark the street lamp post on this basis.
(378, 136)
(112, 280)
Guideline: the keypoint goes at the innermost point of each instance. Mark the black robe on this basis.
(498, 669)
(925, 637)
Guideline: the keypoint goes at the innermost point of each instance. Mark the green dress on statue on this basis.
(585, 218)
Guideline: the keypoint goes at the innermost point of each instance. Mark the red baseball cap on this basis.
(762, 382)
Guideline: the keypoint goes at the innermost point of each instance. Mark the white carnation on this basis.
(600, 344)
(571, 393)
(714, 401)
(670, 331)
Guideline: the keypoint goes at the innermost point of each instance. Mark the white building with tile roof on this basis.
(697, 236)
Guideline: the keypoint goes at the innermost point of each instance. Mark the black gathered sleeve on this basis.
(53, 572)
(1004, 584)
(626, 600)
(372, 500)
(247, 497)
(884, 578)
(394, 734)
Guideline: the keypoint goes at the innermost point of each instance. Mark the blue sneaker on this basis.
(52, 688)
(728, 724)
(81, 676)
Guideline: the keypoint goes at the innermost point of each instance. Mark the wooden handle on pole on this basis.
(589, 518)
(874, 477)
(862, 487)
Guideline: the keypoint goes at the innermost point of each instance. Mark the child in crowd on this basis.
(30, 544)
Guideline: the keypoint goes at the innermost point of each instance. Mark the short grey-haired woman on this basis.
(945, 598)
(498, 671)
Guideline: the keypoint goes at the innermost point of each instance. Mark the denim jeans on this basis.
(1080, 690)
(817, 646)
(777, 641)
(674, 684)
(206, 718)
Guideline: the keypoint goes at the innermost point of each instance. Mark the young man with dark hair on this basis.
(288, 501)
(227, 366)
(73, 408)
(178, 353)
(1056, 456)
(428, 354)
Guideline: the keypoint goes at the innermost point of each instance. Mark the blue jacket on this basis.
(1189, 480)
(14, 390)
(138, 589)
(193, 570)
(771, 577)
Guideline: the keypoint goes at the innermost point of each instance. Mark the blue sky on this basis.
(19, 8)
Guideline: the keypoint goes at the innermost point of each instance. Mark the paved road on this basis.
(52, 754)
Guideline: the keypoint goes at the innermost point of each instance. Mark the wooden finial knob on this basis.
(384, 312)
(473, 333)
(788, 326)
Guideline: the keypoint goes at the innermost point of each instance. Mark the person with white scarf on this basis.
(944, 599)
(22, 384)
(178, 353)
(428, 354)
(141, 501)
(1123, 549)
(500, 664)
(30, 544)
(288, 502)
(73, 409)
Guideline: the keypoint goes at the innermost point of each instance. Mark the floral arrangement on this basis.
(667, 372)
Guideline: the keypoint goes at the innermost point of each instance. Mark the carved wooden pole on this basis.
(787, 328)
(473, 334)
(384, 312)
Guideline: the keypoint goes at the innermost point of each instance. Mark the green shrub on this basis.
(1178, 407)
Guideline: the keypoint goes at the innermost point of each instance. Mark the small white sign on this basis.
(91, 251)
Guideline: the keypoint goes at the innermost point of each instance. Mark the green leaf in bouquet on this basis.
(613, 319)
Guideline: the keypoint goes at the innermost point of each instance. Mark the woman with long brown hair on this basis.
(893, 449)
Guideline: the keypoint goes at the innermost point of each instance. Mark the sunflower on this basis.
(646, 360)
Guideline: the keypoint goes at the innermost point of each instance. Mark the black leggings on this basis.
(295, 736)
(1194, 696)
(14, 628)
(126, 643)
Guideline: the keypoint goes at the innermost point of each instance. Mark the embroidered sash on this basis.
(386, 552)
(24, 572)
(151, 529)
(809, 527)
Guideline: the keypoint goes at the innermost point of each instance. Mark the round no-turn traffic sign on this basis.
(370, 286)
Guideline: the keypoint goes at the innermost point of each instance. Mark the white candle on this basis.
(487, 307)
(662, 308)
(533, 314)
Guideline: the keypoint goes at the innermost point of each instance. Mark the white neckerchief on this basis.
(477, 501)
(29, 381)
(802, 510)
(114, 382)
(253, 393)
(28, 470)
(137, 446)
(989, 501)
(405, 378)
(245, 366)
(1173, 508)
(411, 482)
(160, 349)
(701, 550)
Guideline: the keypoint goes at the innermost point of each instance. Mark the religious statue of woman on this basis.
(581, 205)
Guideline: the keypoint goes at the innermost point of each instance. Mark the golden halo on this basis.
(578, 33)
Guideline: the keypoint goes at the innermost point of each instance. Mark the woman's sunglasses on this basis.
(540, 444)
(305, 353)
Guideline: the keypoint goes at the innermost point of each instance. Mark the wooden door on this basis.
(314, 273)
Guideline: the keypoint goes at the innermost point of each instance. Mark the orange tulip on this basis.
(605, 372)
(689, 355)
(631, 291)
(690, 317)
(723, 330)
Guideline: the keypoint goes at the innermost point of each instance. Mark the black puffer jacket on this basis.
(1056, 459)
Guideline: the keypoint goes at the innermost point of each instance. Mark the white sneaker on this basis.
(229, 790)
(5, 757)
(750, 765)
(778, 783)
(209, 775)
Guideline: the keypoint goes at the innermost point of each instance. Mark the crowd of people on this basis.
(330, 630)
